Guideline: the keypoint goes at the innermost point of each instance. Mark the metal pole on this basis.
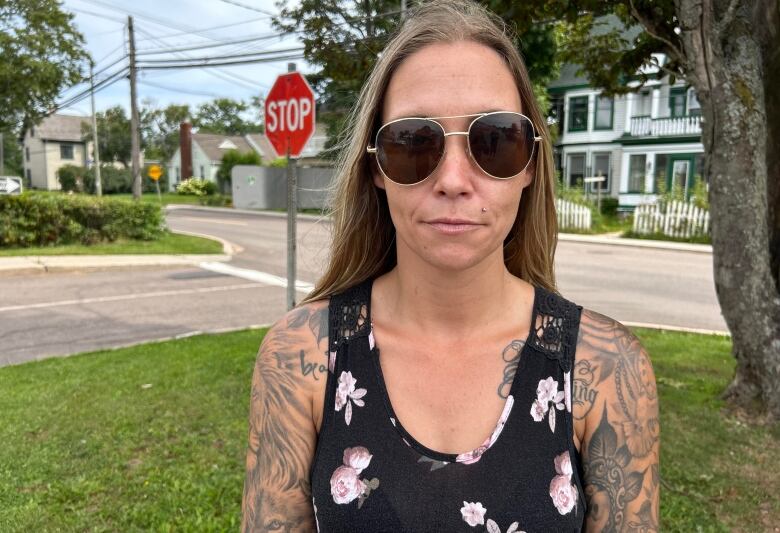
(2, 155)
(134, 141)
(403, 9)
(292, 210)
(98, 183)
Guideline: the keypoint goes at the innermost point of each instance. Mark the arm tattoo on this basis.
(281, 435)
(620, 453)
(511, 356)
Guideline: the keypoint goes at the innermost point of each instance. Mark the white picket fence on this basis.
(675, 219)
(571, 215)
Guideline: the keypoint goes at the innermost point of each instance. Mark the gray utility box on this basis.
(256, 187)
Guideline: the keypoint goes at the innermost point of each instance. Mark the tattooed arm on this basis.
(290, 371)
(616, 418)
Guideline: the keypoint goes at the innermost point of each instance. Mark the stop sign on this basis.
(289, 114)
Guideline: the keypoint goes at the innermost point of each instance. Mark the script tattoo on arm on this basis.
(615, 393)
(511, 356)
(282, 435)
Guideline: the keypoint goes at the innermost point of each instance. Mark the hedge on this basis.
(52, 219)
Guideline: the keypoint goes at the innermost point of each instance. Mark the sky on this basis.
(164, 24)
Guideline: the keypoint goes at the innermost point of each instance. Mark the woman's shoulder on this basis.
(297, 343)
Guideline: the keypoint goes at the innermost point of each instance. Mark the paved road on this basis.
(62, 313)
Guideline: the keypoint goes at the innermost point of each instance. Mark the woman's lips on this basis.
(453, 226)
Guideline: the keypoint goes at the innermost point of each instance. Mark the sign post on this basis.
(599, 180)
(10, 185)
(155, 172)
(289, 124)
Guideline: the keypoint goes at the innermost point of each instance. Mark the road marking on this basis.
(123, 297)
(681, 329)
(216, 221)
(255, 275)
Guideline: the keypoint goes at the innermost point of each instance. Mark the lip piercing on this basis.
(484, 209)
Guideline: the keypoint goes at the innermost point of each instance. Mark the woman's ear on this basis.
(376, 174)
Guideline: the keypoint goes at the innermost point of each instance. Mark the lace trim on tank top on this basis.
(554, 332)
(349, 314)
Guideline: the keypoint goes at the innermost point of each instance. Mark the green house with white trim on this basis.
(640, 142)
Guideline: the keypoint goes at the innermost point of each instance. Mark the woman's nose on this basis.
(455, 174)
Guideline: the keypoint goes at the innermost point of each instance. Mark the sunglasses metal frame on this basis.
(373, 149)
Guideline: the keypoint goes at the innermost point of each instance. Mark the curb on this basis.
(258, 212)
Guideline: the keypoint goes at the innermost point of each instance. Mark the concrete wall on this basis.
(256, 187)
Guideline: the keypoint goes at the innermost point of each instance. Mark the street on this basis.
(63, 313)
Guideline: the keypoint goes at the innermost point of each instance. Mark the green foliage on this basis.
(230, 159)
(215, 200)
(41, 53)
(196, 187)
(224, 116)
(71, 178)
(160, 130)
(113, 135)
(697, 193)
(609, 206)
(12, 154)
(52, 219)
(279, 162)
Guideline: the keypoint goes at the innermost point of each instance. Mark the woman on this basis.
(434, 380)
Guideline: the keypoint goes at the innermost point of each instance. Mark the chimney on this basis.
(185, 143)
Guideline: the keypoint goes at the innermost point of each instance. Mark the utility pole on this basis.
(403, 10)
(135, 147)
(2, 155)
(292, 211)
(98, 184)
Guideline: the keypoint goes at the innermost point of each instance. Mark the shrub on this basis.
(72, 178)
(112, 180)
(215, 200)
(609, 206)
(230, 159)
(47, 220)
(196, 187)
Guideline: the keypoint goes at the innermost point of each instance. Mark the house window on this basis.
(29, 178)
(576, 169)
(694, 107)
(556, 112)
(27, 153)
(603, 118)
(677, 102)
(578, 113)
(636, 173)
(66, 151)
(601, 164)
(178, 175)
(642, 104)
(202, 173)
(659, 178)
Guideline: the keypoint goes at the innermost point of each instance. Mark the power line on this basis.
(207, 59)
(177, 89)
(290, 57)
(204, 30)
(156, 51)
(99, 15)
(251, 8)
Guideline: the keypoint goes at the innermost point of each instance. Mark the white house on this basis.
(53, 143)
(636, 141)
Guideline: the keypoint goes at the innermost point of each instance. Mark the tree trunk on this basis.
(732, 48)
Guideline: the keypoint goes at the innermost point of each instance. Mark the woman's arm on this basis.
(616, 410)
(282, 432)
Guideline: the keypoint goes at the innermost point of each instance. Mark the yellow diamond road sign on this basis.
(155, 171)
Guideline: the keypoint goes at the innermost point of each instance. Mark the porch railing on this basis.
(656, 127)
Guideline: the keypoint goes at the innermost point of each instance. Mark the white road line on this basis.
(216, 221)
(123, 297)
(255, 275)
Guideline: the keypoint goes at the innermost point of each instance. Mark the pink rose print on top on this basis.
(346, 394)
(492, 527)
(475, 455)
(473, 513)
(345, 483)
(547, 393)
(562, 490)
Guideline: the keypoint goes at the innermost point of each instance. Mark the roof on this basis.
(61, 128)
(215, 146)
(262, 145)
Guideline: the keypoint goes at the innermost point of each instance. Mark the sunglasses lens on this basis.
(409, 150)
(502, 143)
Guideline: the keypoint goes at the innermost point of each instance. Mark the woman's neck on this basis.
(418, 296)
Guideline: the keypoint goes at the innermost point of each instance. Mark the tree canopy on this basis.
(41, 53)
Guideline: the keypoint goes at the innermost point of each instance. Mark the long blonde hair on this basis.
(362, 245)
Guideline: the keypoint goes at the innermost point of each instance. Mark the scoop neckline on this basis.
(396, 423)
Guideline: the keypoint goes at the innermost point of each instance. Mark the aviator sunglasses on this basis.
(408, 150)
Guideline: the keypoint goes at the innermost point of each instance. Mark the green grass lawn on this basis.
(169, 243)
(153, 438)
(167, 198)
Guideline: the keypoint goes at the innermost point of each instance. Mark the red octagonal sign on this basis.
(289, 114)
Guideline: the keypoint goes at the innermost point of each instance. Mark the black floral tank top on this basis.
(370, 475)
